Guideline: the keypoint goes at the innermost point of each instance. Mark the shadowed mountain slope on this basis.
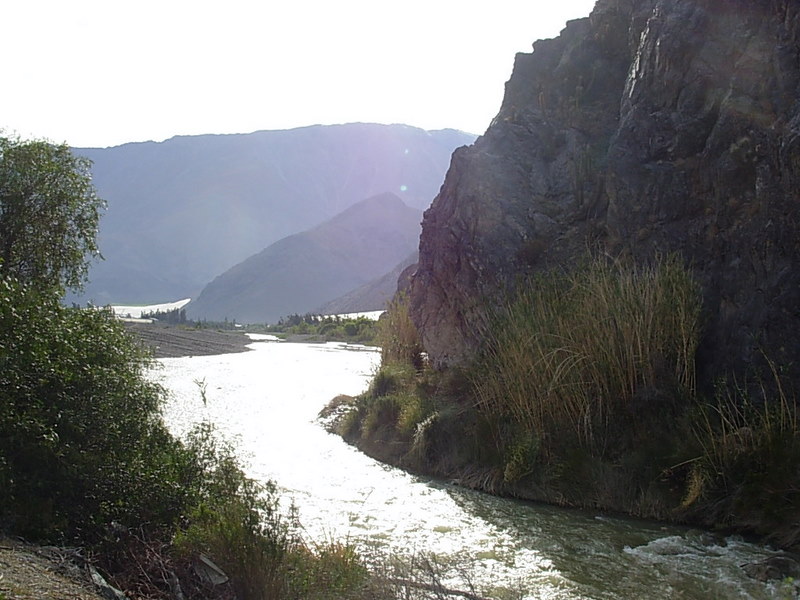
(301, 272)
(374, 295)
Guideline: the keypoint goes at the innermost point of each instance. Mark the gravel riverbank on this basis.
(171, 341)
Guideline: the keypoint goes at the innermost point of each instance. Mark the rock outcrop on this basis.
(650, 127)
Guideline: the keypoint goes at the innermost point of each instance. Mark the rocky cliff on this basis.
(652, 126)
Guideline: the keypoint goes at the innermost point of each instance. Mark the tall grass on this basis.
(747, 472)
(398, 336)
(579, 353)
(398, 409)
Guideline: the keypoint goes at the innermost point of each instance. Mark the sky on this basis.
(97, 73)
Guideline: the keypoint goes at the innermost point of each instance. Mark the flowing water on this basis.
(266, 402)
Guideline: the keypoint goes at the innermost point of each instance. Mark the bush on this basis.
(82, 443)
(236, 522)
(398, 336)
(239, 524)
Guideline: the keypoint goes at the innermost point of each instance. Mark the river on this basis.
(266, 403)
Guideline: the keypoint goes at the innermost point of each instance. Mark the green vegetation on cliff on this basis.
(584, 395)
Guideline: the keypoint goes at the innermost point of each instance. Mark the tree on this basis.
(49, 214)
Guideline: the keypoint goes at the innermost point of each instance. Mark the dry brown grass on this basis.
(398, 336)
(575, 351)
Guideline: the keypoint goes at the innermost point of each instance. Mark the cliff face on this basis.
(650, 127)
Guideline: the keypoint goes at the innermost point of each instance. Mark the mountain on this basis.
(301, 272)
(374, 295)
(652, 127)
(182, 211)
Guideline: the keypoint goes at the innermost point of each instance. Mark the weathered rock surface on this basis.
(653, 126)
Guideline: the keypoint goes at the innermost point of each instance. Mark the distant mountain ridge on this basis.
(301, 272)
(182, 211)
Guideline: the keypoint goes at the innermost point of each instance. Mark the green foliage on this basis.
(239, 524)
(326, 571)
(175, 316)
(520, 456)
(235, 521)
(81, 439)
(84, 454)
(747, 471)
(584, 395)
(49, 214)
(360, 330)
(85, 457)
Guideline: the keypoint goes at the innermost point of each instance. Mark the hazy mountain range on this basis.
(183, 211)
(301, 272)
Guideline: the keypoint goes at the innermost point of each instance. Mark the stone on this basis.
(773, 568)
(650, 127)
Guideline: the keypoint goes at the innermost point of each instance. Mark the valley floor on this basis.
(171, 341)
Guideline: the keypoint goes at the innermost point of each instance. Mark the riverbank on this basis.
(29, 572)
(169, 341)
(638, 440)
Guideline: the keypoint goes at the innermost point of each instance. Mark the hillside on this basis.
(374, 295)
(301, 272)
(181, 212)
(607, 287)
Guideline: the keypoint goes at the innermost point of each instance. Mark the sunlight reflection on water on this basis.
(267, 401)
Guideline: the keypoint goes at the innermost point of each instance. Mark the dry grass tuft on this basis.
(574, 352)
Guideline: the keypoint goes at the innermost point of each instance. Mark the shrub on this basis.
(81, 438)
(236, 521)
(747, 472)
(586, 355)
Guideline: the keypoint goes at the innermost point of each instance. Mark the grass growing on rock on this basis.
(584, 394)
(592, 354)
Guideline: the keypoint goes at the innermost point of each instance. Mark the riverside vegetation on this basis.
(308, 327)
(85, 457)
(584, 395)
(86, 460)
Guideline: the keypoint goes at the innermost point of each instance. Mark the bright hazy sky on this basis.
(106, 72)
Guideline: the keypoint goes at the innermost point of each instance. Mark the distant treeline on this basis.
(313, 327)
(175, 316)
(328, 328)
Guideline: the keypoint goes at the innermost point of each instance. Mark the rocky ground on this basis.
(171, 341)
(42, 573)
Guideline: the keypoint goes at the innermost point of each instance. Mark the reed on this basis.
(746, 471)
(578, 353)
(397, 335)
